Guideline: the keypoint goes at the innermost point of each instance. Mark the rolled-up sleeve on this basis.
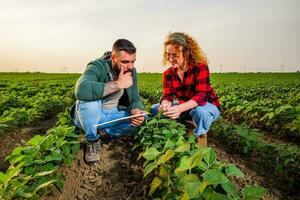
(167, 87)
(202, 85)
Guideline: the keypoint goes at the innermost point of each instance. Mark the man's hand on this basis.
(173, 112)
(136, 121)
(124, 79)
(165, 105)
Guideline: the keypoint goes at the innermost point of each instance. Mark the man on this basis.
(107, 90)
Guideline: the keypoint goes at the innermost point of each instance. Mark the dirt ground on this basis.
(252, 177)
(254, 173)
(117, 176)
(11, 140)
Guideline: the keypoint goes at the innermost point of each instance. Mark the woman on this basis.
(187, 79)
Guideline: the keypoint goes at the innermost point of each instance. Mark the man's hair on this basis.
(124, 45)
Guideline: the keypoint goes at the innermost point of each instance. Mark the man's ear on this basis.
(113, 57)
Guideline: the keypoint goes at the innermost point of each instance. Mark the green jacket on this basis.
(90, 85)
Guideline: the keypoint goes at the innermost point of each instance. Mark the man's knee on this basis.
(88, 106)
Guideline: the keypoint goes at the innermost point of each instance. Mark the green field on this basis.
(260, 122)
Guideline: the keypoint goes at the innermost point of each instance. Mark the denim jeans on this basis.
(203, 116)
(89, 113)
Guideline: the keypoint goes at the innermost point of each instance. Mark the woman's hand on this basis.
(165, 105)
(173, 112)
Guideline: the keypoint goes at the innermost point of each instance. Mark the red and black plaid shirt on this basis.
(195, 86)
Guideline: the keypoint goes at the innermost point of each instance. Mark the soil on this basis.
(117, 176)
(11, 140)
(254, 175)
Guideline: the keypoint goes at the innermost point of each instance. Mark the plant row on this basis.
(282, 160)
(181, 170)
(34, 168)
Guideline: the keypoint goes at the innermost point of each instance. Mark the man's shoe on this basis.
(92, 151)
(202, 140)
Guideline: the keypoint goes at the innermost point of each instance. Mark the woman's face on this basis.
(175, 55)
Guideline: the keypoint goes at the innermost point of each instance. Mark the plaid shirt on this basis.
(195, 86)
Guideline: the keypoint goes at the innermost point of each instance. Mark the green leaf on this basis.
(254, 192)
(152, 121)
(17, 151)
(165, 132)
(166, 156)
(49, 167)
(217, 196)
(185, 147)
(12, 172)
(214, 176)
(192, 139)
(163, 121)
(232, 170)
(169, 144)
(156, 182)
(190, 184)
(202, 186)
(140, 156)
(198, 156)
(165, 171)
(24, 194)
(185, 196)
(2, 177)
(66, 149)
(30, 150)
(75, 148)
(15, 159)
(185, 163)
(151, 153)
(35, 141)
(230, 189)
(174, 131)
(149, 168)
(44, 185)
(72, 135)
(44, 173)
(180, 141)
(210, 157)
(55, 156)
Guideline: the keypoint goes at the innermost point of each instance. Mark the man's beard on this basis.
(116, 68)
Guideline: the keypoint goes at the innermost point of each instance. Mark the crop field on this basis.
(253, 149)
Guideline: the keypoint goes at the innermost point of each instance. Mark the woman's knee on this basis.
(199, 112)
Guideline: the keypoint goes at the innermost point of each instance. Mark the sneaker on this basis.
(92, 151)
(202, 140)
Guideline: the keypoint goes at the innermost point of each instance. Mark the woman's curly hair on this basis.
(193, 53)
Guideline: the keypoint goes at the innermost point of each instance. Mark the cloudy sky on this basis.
(63, 36)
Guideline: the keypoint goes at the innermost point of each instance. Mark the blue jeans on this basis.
(89, 113)
(202, 116)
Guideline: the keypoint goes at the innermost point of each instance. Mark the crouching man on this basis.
(108, 90)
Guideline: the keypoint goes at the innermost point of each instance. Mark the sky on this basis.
(63, 36)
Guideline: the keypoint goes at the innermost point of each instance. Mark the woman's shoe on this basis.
(202, 140)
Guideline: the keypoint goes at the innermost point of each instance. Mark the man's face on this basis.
(124, 60)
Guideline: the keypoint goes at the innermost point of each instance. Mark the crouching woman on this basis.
(187, 93)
